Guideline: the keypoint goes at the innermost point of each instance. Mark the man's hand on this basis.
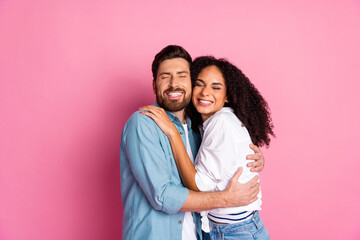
(259, 163)
(238, 194)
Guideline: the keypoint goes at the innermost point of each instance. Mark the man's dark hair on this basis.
(169, 52)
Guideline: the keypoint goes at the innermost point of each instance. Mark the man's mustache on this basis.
(171, 89)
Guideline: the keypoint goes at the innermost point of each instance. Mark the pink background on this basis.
(72, 72)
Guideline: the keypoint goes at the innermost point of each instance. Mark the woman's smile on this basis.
(209, 92)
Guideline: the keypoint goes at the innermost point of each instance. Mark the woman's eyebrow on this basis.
(200, 80)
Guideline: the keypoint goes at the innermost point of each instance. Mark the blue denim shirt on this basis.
(151, 188)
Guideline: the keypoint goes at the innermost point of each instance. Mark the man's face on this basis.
(173, 84)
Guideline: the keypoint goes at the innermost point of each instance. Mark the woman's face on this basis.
(209, 92)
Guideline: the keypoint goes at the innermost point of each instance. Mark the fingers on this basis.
(149, 114)
(151, 111)
(255, 148)
(145, 108)
(255, 156)
(237, 174)
(258, 165)
(152, 108)
(156, 111)
(253, 181)
(254, 193)
(235, 178)
(253, 200)
(257, 169)
(255, 166)
(255, 189)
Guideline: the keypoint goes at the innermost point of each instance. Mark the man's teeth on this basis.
(174, 94)
(204, 101)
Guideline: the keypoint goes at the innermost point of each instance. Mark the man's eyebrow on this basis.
(182, 72)
(164, 73)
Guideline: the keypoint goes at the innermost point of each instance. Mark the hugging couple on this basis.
(189, 163)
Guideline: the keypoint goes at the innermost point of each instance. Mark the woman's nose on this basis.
(205, 91)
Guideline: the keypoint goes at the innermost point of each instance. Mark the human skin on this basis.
(173, 91)
(209, 92)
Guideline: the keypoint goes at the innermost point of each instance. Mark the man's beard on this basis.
(170, 105)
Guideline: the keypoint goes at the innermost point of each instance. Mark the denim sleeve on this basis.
(150, 166)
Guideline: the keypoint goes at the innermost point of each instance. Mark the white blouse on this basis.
(224, 146)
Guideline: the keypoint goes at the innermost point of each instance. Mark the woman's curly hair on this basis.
(243, 97)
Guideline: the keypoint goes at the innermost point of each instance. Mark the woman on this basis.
(231, 114)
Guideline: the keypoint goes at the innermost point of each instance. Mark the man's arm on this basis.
(150, 165)
(236, 194)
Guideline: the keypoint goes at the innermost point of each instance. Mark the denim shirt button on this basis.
(181, 132)
(179, 222)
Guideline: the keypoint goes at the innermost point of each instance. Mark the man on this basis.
(156, 204)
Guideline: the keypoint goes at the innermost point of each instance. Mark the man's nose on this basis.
(173, 81)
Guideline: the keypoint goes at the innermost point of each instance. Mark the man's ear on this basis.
(154, 86)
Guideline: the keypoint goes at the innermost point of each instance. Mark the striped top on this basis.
(231, 218)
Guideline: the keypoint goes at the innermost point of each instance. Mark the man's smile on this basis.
(174, 95)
